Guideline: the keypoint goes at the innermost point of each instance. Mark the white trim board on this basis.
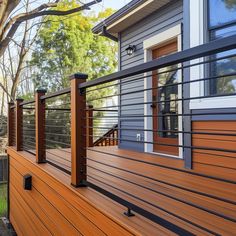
(162, 37)
(149, 45)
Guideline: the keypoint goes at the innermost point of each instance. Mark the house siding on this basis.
(159, 21)
(53, 206)
(210, 161)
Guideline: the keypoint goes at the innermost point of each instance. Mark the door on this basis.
(165, 110)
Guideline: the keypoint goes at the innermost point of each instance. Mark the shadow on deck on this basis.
(196, 202)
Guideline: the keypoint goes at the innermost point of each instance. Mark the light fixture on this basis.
(130, 50)
(27, 182)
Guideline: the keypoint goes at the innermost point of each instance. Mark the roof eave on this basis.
(129, 15)
(97, 29)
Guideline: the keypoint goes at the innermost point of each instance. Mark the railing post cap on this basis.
(89, 106)
(79, 76)
(19, 99)
(41, 90)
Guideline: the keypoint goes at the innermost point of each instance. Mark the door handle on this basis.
(153, 105)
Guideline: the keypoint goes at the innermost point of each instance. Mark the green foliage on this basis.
(27, 96)
(66, 46)
(3, 199)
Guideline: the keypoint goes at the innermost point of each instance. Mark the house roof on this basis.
(128, 15)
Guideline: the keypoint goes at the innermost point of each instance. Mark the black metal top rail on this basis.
(58, 93)
(47, 96)
(27, 103)
(204, 50)
(72, 131)
(187, 55)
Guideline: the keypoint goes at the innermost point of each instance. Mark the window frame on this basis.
(199, 34)
(220, 26)
(210, 87)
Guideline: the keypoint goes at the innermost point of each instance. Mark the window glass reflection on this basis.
(222, 17)
(168, 103)
(221, 12)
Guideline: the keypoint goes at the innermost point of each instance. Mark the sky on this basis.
(115, 4)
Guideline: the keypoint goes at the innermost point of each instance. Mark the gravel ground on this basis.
(5, 229)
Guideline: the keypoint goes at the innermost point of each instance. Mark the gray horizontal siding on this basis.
(157, 22)
(222, 114)
(168, 23)
(152, 20)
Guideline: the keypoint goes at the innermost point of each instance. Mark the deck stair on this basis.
(109, 138)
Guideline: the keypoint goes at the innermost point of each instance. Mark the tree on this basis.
(10, 22)
(69, 46)
(231, 4)
(12, 64)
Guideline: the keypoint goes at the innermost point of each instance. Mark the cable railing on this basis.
(28, 127)
(57, 131)
(147, 108)
(154, 115)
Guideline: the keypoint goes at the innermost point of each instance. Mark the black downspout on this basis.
(108, 35)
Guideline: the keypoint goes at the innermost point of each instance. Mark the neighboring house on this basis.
(104, 123)
(157, 28)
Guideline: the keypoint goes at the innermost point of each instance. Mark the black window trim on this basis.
(220, 26)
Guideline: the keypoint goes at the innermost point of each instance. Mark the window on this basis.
(222, 23)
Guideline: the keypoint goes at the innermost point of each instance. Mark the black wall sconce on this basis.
(130, 50)
(27, 182)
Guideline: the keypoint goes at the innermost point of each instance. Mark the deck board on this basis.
(196, 202)
(101, 211)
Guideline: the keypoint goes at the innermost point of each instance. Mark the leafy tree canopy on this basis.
(66, 46)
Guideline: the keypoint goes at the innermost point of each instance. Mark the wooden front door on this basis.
(165, 112)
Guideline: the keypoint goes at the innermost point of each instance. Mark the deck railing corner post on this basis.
(10, 123)
(19, 124)
(40, 126)
(78, 131)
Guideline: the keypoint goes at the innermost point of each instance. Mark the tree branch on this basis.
(6, 7)
(5, 90)
(21, 16)
(15, 22)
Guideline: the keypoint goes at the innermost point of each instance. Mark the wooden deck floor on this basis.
(199, 203)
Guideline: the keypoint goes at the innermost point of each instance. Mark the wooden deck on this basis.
(202, 204)
(54, 207)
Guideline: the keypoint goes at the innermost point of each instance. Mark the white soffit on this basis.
(136, 15)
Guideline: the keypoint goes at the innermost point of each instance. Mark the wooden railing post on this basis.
(10, 124)
(89, 126)
(40, 126)
(19, 124)
(78, 131)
